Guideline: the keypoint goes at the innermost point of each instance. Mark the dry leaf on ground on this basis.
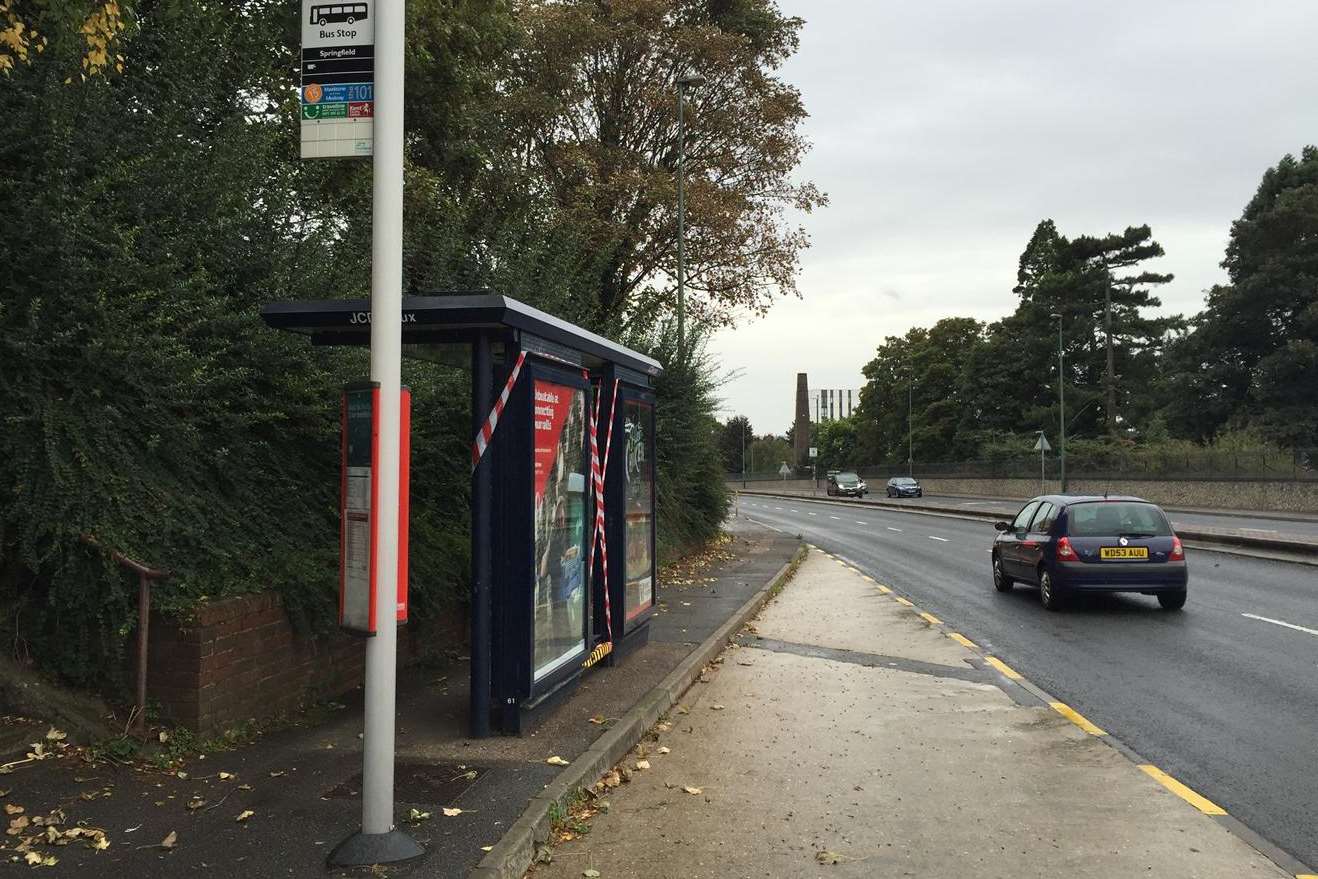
(452, 813)
(556, 761)
(170, 840)
(417, 815)
(827, 857)
(694, 791)
(244, 815)
(11, 809)
(716, 707)
(642, 764)
(597, 719)
(664, 749)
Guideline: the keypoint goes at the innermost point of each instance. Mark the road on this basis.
(1223, 695)
(1269, 524)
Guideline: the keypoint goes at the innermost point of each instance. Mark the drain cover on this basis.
(420, 783)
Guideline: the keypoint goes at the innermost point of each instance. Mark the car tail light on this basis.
(1178, 551)
(1064, 550)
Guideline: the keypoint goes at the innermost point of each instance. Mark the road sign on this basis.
(814, 452)
(784, 471)
(1041, 444)
(338, 79)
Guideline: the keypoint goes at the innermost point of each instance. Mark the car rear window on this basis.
(848, 477)
(1115, 518)
(903, 480)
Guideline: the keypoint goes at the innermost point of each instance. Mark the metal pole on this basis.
(743, 454)
(1110, 379)
(1042, 469)
(378, 841)
(1061, 401)
(910, 422)
(681, 225)
(482, 493)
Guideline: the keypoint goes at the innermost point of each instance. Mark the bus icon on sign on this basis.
(345, 12)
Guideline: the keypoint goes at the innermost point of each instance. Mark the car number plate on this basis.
(1123, 552)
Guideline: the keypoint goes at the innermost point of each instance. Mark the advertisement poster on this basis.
(560, 524)
(640, 507)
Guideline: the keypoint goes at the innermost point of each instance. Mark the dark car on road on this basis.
(1069, 545)
(904, 486)
(846, 484)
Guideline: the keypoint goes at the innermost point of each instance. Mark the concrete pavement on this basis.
(849, 735)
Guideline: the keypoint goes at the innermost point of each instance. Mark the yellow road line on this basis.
(930, 618)
(884, 589)
(1003, 667)
(868, 577)
(904, 602)
(961, 639)
(1200, 802)
(1077, 718)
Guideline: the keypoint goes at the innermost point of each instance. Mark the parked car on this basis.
(1067, 545)
(904, 486)
(846, 483)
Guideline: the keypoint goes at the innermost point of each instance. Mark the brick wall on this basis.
(239, 658)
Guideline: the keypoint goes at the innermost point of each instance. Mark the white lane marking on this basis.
(890, 528)
(835, 517)
(779, 509)
(794, 511)
(943, 539)
(862, 523)
(814, 514)
(1280, 623)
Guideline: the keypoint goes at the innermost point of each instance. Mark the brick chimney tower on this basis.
(801, 426)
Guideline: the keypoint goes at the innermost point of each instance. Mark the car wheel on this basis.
(1001, 581)
(1049, 595)
(919, 493)
(1172, 600)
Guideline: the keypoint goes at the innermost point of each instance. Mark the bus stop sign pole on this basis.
(379, 841)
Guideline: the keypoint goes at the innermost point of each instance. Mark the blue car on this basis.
(1067, 545)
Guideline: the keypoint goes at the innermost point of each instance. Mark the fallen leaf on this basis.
(417, 815)
(5, 792)
(244, 787)
(452, 813)
(278, 773)
(244, 815)
(56, 735)
(597, 719)
(486, 848)
(694, 791)
(664, 749)
(642, 764)
(11, 809)
(33, 858)
(590, 874)
(556, 761)
(225, 776)
(195, 803)
(613, 779)
(17, 825)
(663, 726)
(164, 737)
(100, 844)
(133, 829)
(181, 774)
(716, 707)
(170, 840)
(827, 857)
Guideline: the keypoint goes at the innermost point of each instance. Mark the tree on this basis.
(734, 438)
(913, 392)
(26, 28)
(838, 444)
(590, 111)
(1249, 358)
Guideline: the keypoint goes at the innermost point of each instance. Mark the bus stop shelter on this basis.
(563, 486)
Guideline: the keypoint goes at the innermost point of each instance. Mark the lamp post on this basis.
(683, 83)
(743, 453)
(1061, 402)
(910, 420)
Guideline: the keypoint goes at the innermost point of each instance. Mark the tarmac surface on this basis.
(302, 786)
(847, 736)
(1222, 695)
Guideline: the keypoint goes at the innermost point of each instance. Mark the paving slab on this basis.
(791, 765)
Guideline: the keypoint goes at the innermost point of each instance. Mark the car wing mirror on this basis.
(1001, 526)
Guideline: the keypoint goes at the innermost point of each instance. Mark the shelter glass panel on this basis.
(638, 422)
(560, 525)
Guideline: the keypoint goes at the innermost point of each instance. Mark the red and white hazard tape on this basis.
(486, 433)
(598, 468)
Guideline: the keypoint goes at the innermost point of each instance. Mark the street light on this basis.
(1061, 400)
(910, 419)
(683, 83)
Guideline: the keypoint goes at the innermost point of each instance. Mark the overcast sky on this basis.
(944, 131)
